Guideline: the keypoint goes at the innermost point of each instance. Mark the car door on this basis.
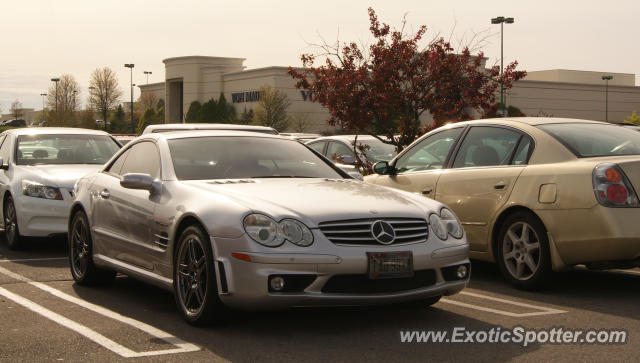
(483, 171)
(123, 217)
(417, 170)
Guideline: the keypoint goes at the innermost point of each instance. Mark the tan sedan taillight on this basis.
(612, 187)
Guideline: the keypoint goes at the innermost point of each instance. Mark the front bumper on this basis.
(38, 217)
(334, 275)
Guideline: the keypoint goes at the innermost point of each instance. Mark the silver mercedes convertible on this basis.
(255, 221)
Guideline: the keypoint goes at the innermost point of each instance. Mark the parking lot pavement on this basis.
(46, 317)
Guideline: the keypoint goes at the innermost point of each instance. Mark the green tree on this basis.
(272, 109)
(117, 124)
(246, 117)
(160, 104)
(193, 115)
(208, 111)
(149, 117)
(226, 113)
(634, 118)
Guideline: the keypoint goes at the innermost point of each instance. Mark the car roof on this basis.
(532, 121)
(54, 130)
(171, 135)
(200, 126)
(346, 138)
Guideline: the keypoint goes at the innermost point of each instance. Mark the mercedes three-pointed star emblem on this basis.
(383, 232)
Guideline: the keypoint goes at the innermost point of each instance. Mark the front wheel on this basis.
(11, 231)
(83, 270)
(194, 279)
(522, 251)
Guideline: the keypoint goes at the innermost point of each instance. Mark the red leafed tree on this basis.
(385, 89)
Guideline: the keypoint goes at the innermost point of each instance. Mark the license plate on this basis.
(385, 265)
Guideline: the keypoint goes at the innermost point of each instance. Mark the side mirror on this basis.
(3, 166)
(382, 168)
(137, 181)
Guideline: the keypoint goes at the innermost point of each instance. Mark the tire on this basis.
(194, 279)
(522, 251)
(83, 270)
(422, 303)
(11, 230)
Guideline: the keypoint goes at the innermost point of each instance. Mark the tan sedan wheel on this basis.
(523, 251)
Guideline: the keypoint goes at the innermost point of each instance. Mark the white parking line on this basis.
(34, 259)
(183, 346)
(541, 310)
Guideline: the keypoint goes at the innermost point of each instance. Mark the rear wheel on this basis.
(11, 231)
(83, 270)
(194, 279)
(522, 251)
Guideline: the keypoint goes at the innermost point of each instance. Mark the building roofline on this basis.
(202, 57)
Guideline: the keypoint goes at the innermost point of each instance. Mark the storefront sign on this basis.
(249, 96)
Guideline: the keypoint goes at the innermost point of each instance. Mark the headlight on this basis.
(454, 228)
(437, 225)
(268, 232)
(37, 190)
(296, 232)
(263, 230)
(445, 224)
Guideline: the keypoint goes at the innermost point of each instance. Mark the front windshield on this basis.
(45, 149)
(587, 140)
(240, 157)
(378, 150)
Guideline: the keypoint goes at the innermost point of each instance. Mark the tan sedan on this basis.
(533, 194)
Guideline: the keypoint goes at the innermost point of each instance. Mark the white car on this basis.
(38, 168)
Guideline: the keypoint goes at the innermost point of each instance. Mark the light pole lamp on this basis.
(130, 66)
(56, 80)
(501, 20)
(606, 80)
(43, 114)
(147, 73)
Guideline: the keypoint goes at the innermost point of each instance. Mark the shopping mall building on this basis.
(558, 92)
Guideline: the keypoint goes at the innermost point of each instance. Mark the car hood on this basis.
(63, 176)
(316, 200)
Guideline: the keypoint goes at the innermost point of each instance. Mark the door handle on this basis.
(427, 190)
(105, 194)
(499, 186)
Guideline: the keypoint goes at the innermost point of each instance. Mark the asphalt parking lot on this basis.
(46, 317)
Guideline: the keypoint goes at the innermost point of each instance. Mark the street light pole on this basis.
(56, 80)
(147, 73)
(43, 114)
(130, 66)
(501, 20)
(606, 80)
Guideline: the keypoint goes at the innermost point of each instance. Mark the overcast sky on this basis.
(41, 39)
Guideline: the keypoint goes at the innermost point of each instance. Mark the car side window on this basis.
(116, 166)
(5, 150)
(523, 151)
(318, 146)
(430, 153)
(337, 149)
(487, 146)
(143, 158)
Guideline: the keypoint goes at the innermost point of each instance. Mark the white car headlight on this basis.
(270, 233)
(437, 225)
(296, 232)
(38, 190)
(446, 223)
(454, 228)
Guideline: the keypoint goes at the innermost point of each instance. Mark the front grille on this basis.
(362, 284)
(358, 231)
